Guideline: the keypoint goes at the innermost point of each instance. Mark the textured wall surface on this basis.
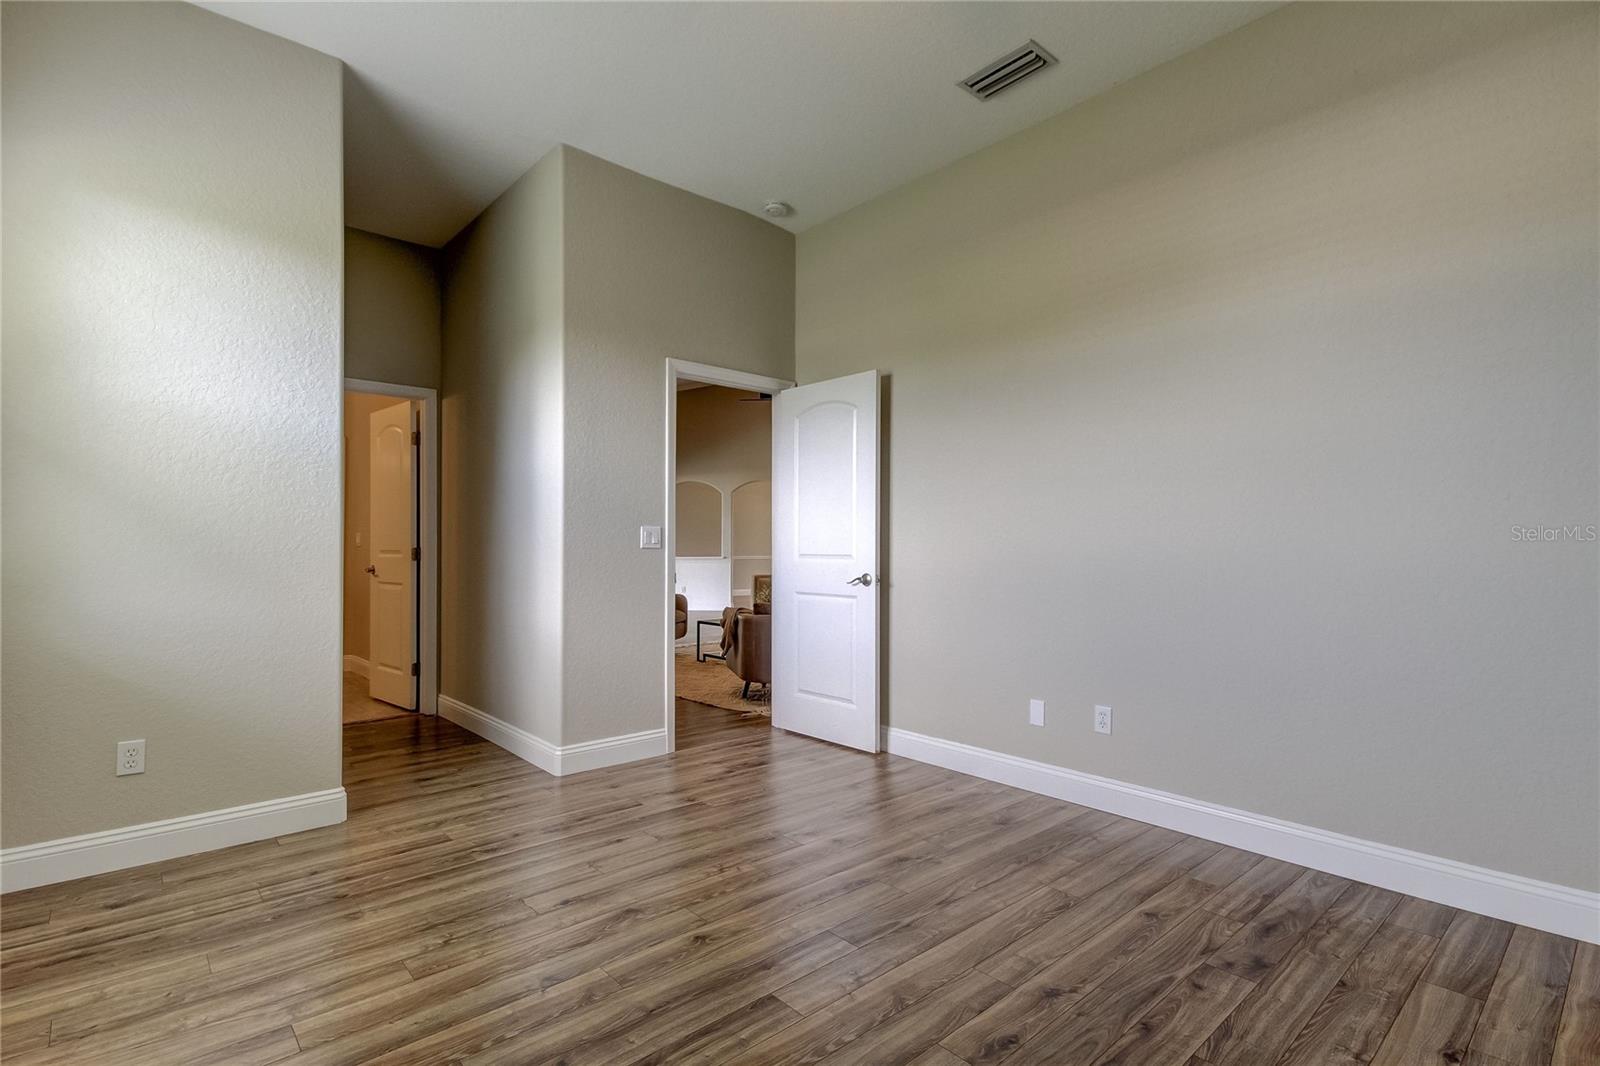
(1225, 390)
(652, 273)
(562, 303)
(391, 310)
(172, 278)
(501, 500)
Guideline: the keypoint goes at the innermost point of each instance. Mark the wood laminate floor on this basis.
(758, 898)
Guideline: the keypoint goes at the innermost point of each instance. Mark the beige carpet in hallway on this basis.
(360, 707)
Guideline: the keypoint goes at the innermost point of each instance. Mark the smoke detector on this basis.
(1009, 69)
(777, 209)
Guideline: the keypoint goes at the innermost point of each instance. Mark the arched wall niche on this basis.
(750, 508)
(699, 533)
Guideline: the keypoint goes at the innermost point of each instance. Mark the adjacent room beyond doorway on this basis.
(723, 549)
(380, 557)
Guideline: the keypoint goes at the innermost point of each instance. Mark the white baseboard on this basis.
(553, 759)
(355, 664)
(1553, 908)
(46, 863)
(612, 751)
(519, 742)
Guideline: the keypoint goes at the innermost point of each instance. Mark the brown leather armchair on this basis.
(747, 644)
(680, 614)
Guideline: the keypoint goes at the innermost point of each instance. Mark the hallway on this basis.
(360, 707)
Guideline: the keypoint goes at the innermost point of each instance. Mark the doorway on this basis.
(722, 554)
(824, 587)
(390, 558)
(717, 539)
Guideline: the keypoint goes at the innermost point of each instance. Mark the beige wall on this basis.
(562, 303)
(652, 273)
(1225, 391)
(358, 410)
(725, 440)
(393, 332)
(722, 439)
(501, 466)
(391, 310)
(172, 277)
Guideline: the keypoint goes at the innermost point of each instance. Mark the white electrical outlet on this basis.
(130, 757)
(1036, 712)
(1102, 719)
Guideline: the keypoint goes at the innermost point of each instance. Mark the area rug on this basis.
(711, 682)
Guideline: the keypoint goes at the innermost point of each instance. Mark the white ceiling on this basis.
(824, 105)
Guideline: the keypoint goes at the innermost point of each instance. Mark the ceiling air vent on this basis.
(1009, 69)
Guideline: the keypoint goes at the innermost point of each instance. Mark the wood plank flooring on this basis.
(766, 899)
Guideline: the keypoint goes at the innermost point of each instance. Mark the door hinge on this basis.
(414, 669)
(416, 553)
(416, 437)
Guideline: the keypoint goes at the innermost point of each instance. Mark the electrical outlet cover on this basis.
(130, 757)
(1102, 719)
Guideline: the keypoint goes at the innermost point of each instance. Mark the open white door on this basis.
(392, 558)
(825, 560)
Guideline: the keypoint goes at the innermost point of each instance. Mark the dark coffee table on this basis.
(700, 656)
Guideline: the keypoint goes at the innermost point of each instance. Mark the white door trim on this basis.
(711, 375)
(428, 505)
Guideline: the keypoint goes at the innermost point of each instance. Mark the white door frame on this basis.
(711, 375)
(428, 514)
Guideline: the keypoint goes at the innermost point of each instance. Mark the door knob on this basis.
(864, 579)
(373, 570)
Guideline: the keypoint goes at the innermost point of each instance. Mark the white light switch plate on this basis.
(1036, 712)
(649, 536)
